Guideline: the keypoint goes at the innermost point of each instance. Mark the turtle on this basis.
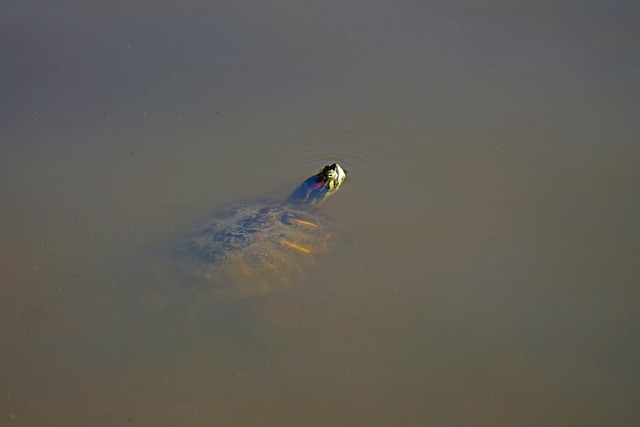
(262, 246)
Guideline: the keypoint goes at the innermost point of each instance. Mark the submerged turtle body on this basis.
(264, 246)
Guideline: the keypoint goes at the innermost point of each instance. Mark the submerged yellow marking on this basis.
(297, 247)
(303, 222)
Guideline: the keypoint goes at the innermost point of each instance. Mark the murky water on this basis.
(489, 274)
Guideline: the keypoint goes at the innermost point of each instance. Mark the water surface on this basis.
(489, 274)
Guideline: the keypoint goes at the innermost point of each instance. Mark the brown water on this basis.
(490, 274)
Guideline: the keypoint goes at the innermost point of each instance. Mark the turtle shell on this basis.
(256, 249)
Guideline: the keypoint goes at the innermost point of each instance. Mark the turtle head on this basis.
(318, 187)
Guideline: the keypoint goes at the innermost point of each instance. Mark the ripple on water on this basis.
(379, 162)
(364, 152)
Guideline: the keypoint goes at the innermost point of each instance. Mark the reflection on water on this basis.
(488, 271)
